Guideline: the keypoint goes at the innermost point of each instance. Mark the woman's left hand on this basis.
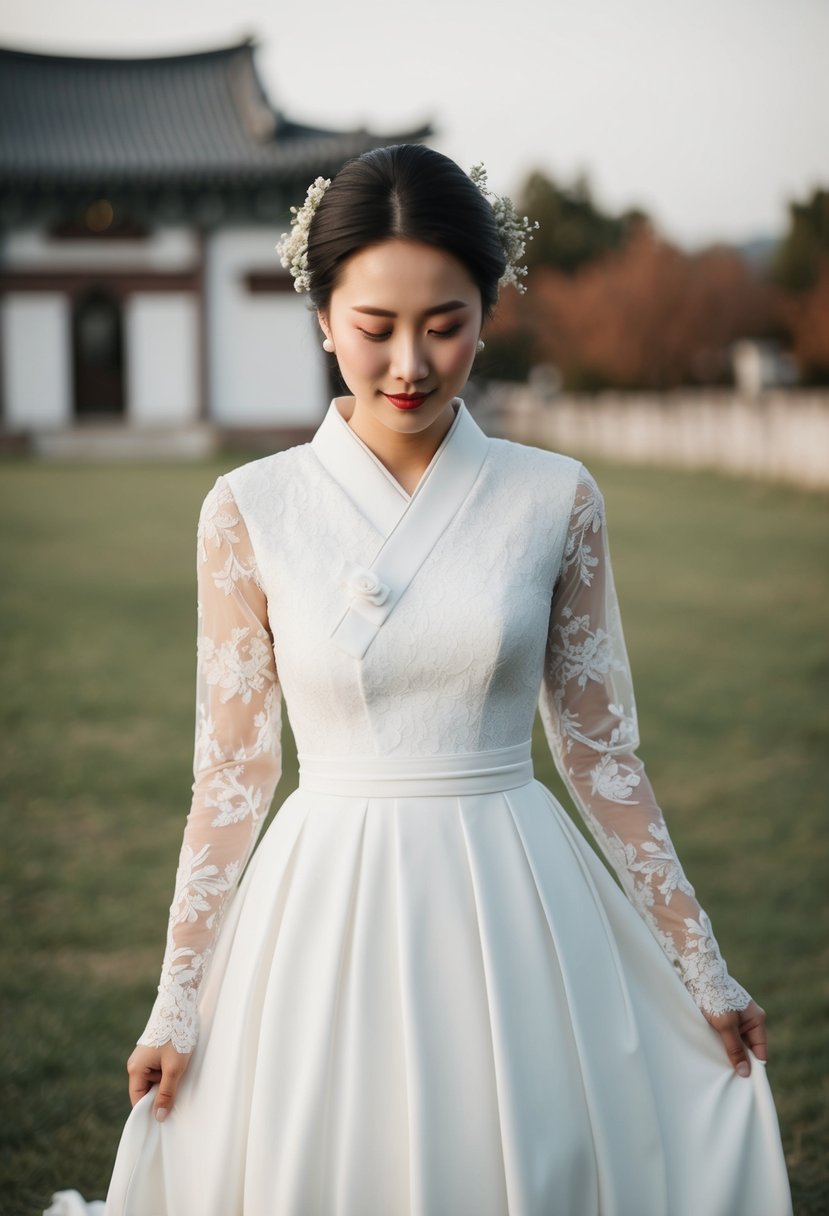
(742, 1028)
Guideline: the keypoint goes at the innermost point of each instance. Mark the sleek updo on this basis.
(411, 193)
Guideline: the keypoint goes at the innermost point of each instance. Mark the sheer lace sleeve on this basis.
(237, 761)
(589, 716)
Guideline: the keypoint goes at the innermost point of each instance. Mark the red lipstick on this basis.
(406, 401)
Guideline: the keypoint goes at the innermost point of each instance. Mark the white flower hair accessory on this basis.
(292, 246)
(514, 230)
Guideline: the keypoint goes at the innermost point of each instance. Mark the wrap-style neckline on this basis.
(409, 524)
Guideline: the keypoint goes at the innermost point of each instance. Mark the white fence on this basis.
(783, 435)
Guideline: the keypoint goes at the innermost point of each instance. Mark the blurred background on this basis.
(675, 335)
(677, 160)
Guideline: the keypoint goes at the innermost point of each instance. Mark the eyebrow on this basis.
(450, 306)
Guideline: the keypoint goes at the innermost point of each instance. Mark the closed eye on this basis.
(435, 333)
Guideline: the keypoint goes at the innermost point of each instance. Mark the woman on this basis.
(428, 995)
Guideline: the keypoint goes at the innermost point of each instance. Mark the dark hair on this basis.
(412, 193)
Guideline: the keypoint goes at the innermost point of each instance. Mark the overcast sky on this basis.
(710, 115)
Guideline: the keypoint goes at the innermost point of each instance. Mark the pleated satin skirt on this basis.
(429, 998)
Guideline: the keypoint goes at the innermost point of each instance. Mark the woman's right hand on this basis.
(162, 1066)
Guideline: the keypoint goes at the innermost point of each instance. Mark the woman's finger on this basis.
(729, 1031)
(173, 1070)
(753, 1030)
(741, 1029)
(141, 1080)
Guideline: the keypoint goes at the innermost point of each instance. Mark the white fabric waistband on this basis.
(501, 768)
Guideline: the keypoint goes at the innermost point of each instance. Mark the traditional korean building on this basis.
(140, 201)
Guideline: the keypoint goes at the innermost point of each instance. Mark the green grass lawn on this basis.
(724, 590)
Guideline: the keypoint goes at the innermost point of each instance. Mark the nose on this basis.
(409, 363)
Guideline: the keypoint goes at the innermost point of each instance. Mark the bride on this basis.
(423, 993)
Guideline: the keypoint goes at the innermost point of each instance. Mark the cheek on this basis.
(361, 358)
(458, 359)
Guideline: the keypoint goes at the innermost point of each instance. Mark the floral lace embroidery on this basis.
(218, 524)
(589, 715)
(613, 781)
(197, 882)
(237, 762)
(238, 666)
(174, 1017)
(703, 970)
(588, 518)
(589, 659)
(234, 801)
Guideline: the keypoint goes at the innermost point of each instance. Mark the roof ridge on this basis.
(197, 121)
(247, 44)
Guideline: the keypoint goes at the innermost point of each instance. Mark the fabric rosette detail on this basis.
(363, 584)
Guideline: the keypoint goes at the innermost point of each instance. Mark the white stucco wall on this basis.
(264, 354)
(782, 435)
(161, 331)
(167, 249)
(37, 359)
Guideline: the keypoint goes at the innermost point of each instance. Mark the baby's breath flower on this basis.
(292, 246)
(513, 230)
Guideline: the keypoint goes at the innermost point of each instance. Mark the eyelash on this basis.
(436, 333)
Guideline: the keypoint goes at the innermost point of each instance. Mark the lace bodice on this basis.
(513, 606)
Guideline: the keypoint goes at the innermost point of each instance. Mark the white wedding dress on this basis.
(427, 996)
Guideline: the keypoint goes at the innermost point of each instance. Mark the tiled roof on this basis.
(199, 121)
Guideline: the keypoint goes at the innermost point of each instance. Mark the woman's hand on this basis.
(744, 1027)
(164, 1066)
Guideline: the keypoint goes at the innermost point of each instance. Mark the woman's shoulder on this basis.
(269, 470)
(537, 467)
(544, 460)
(545, 481)
(544, 463)
(264, 478)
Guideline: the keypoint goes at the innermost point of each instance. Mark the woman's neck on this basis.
(405, 455)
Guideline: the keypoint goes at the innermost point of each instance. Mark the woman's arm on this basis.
(589, 715)
(237, 761)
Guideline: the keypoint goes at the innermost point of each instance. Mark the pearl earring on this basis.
(481, 345)
(328, 345)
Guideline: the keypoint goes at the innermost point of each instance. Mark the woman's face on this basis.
(405, 319)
